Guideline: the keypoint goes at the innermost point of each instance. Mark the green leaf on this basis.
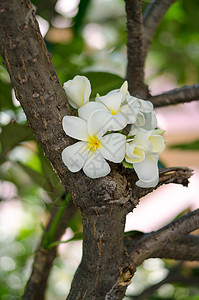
(12, 135)
(102, 82)
(133, 233)
(77, 237)
(48, 237)
(187, 146)
(127, 165)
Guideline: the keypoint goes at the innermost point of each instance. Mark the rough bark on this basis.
(103, 202)
(155, 241)
(186, 248)
(183, 94)
(105, 256)
(135, 66)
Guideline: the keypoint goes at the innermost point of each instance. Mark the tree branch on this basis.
(184, 94)
(186, 248)
(154, 241)
(177, 175)
(36, 286)
(44, 102)
(135, 67)
(152, 17)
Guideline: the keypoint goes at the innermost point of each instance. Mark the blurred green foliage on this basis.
(30, 188)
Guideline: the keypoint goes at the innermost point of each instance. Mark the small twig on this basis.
(184, 94)
(177, 175)
(152, 17)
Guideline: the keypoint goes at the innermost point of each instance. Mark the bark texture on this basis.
(183, 94)
(103, 272)
(135, 66)
(105, 256)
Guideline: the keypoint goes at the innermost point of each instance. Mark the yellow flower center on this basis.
(113, 112)
(93, 143)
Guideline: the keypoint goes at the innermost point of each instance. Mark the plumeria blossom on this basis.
(143, 152)
(108, 110)
(143, 110)
(78, 91)
(92, 150)
(97, 126)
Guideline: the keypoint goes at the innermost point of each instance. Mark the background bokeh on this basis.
(89, 37)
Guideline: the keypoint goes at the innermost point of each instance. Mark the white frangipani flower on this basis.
(93, 128)
(141, 113)
(78, 91)
(112, 110)
(92, 150)
(146, 121)
(143, 152)
(106, 111)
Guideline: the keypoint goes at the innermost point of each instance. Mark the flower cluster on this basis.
(98, 127)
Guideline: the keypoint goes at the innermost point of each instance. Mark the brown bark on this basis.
(105, 256)
(135, 66)
(186, 248)
(157, 241)
(103, 202)
(183, 94)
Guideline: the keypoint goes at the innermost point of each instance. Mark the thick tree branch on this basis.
(135, 67)
(186, 248)
(44, 102)
(36, 286)
(152, 18)
(159, 239)
(184, 94)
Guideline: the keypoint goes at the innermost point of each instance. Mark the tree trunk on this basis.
(102, 253)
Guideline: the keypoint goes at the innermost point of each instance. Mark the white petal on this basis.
(134, 153)
(118, 121)
(140, 121)
(147, 172)
(150, 184)
(158, 143)
(75, 127)
(96, 166)
(85, 111)
(99, 123)
(113, 101)
(74, 156)
(124, 87)
(146, 106)
(113, 147)
(129, 113)
(150, 121)
(78, 91)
